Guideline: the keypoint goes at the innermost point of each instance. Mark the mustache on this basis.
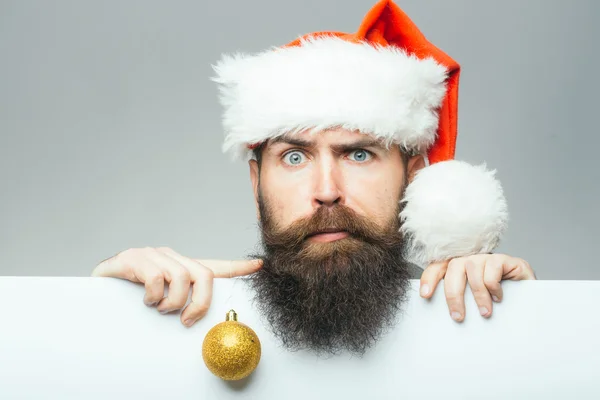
(328, 219)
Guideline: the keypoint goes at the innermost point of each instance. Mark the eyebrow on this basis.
(342, 147)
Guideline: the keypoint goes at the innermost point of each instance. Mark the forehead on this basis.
(328, 137)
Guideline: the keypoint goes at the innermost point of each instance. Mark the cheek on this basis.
(288, 198)
(375, 196)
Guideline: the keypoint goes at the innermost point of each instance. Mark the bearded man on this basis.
(351, 140)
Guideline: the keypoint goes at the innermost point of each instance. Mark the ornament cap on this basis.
(231, 316)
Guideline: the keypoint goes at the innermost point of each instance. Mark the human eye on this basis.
(293, 158)
(360, 155)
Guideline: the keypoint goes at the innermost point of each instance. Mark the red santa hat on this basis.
(386, 80)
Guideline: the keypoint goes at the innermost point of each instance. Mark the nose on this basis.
(328, 184)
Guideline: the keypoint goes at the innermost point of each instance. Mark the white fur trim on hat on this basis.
(452, 209)
(330, 82)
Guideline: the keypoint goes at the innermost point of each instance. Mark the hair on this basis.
(257, 153)
(334, 297)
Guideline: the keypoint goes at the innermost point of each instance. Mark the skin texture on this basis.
(297, 177)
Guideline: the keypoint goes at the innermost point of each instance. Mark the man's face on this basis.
(300, 175)
(333, 275)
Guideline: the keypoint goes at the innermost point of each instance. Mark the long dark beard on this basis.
(330, 297)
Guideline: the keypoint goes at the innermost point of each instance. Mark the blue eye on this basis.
(293, 158)
(360, 155)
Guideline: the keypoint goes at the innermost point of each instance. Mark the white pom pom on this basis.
(452, 209)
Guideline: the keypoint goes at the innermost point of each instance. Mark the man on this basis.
(341, 128)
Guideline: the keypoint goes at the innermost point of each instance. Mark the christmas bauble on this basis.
(231, 350)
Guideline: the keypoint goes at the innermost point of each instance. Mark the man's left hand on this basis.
(484, 272)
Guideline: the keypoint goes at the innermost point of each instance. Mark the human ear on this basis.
(415, 163)
(254, 177)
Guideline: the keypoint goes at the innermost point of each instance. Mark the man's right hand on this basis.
(157, 267)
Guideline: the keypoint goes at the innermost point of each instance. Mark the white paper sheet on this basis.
(93, 338)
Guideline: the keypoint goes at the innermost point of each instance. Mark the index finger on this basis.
(232, 268)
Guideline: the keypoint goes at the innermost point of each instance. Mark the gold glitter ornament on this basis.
(231, 350)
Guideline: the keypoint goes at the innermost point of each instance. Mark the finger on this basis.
(492, 277)
(475, 268)
(202, 289)
(116, 267)
(134, 265)
(230, 269)
(202, 292)
(154, 282)
(179, 279)
(430, 278)
(455, 283)
(517, 269)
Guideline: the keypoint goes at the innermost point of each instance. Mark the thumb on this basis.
(230, 269)
(431, 276)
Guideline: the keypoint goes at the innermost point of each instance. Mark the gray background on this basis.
(110, 129)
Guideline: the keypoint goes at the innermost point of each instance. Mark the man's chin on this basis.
(331, 296)
(330, 292)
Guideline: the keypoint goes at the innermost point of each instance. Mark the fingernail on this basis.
(456, 316)
(483, 310)
(188, 322)
(495, 298)
(425, 290)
